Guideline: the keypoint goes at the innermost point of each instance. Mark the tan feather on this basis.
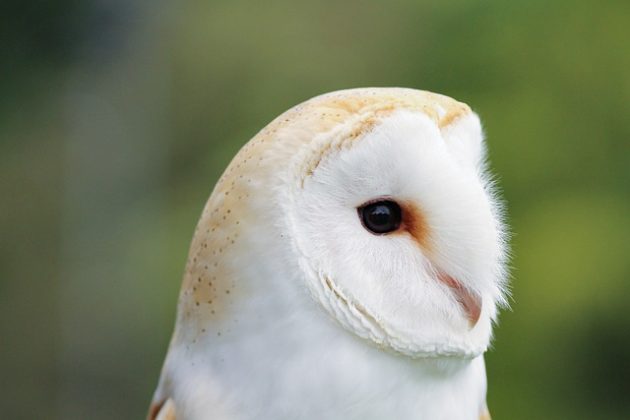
(162, 411)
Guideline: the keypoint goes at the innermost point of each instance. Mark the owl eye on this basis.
(380, 217)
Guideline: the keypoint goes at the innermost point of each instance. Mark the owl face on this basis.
(397, 231)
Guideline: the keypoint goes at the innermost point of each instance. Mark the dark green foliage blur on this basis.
(117, 118)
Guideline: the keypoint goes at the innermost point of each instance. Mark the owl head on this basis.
(388, 218)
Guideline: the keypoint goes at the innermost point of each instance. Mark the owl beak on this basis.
(470, 301)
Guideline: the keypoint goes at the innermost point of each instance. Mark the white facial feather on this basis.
(291, 308)
(385, 287)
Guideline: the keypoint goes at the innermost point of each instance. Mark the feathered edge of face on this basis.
(430, 287)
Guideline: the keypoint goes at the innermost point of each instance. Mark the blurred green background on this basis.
(117, 118)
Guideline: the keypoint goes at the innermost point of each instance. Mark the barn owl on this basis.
(349, 264)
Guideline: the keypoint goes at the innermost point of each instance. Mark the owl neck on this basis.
(276, 351)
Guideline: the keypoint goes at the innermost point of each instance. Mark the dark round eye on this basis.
(381, 217)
